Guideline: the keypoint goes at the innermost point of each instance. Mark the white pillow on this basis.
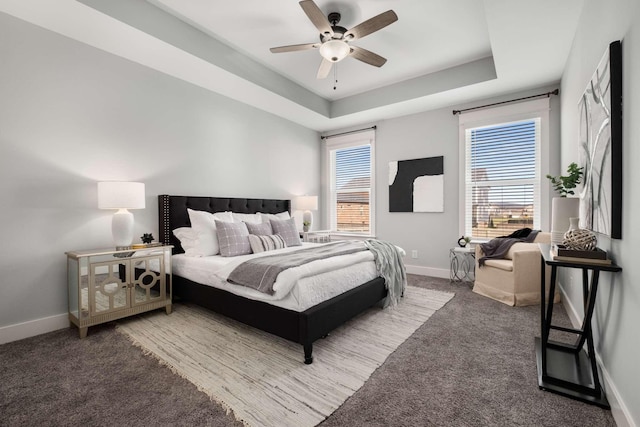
(243, 217)
(184, 233)
(281, 215)
(204, 227)
(188, 240)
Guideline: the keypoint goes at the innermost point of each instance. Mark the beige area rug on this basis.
(261, 377)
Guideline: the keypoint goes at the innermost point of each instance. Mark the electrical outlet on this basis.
(414, 254)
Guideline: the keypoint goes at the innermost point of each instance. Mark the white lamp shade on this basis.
(334, 50)
(121, 195)
(306, 203)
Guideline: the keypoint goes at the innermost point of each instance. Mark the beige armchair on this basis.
(514, 280)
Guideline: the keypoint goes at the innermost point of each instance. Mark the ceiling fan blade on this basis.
(371, 25)
(316, 16)
(295, 47)
(367, 56)
(325, 67)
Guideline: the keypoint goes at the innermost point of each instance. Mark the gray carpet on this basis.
(471, 364)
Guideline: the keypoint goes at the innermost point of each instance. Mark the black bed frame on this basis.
(300, 327)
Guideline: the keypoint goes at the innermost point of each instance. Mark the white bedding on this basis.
(296, 289)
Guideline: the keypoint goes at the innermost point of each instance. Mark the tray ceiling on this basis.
(440, 52)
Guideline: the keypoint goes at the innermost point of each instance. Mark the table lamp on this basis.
(306, 204)
(121, 196)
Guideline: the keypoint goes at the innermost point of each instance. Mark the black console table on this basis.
(564, 368)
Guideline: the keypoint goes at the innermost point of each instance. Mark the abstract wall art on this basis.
(600, 147)
(417, 185)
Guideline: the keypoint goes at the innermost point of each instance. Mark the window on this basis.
(350, 175)
(502, 173)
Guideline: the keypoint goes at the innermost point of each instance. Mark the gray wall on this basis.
(429, 134)
(435, 133)
(71, 115)
(618, 306)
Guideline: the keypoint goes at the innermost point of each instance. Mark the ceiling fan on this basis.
(335, 41)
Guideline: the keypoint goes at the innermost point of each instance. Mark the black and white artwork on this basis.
(417, 185)
(601, 147)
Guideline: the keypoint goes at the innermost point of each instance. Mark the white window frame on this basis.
(529, 110)
(340, 142)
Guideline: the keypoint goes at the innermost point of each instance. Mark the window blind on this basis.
(502, 178)
(351, 189)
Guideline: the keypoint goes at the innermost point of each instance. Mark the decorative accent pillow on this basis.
(288, 230)
(281, 215)
(252, 218)
(204, 228)
(266, 243)
(263, 229)
(233, 238)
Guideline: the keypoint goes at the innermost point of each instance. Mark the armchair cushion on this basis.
(502, 264)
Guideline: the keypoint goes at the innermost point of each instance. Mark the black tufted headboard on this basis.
(172, 211)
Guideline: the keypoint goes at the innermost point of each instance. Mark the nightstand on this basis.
(109, 284)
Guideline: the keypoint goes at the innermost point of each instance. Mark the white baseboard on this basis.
(428, 271)
(33, 327)
(619, 410)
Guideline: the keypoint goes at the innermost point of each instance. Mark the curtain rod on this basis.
(347, 133)
(548, 94)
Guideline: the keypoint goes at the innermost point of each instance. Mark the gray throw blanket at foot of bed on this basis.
(390, 267)
(261, 273)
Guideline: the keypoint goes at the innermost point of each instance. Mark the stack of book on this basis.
(145, 245)
(597, 256)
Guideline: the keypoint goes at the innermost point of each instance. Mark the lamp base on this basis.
(307, 216)
(562, 208)
(122, 228)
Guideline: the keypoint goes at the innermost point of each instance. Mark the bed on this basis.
(303, 327)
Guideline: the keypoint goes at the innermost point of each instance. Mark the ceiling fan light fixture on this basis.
(334, 50)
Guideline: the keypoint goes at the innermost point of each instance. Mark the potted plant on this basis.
(147, 238)
(564, 185)
(305, 225)
(464, 241)
(563, 207)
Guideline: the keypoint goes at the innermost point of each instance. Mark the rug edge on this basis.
(227, 408)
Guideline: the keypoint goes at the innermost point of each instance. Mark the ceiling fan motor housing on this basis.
(338, 31)
(338, 34)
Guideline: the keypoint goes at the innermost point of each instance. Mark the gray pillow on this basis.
(287, 229)
(233, 238)
(262, 229)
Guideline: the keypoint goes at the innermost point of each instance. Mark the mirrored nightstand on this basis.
(109, 284)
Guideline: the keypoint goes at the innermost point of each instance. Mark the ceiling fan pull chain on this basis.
(335, 76)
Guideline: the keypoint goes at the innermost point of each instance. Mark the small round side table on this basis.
(462, 263)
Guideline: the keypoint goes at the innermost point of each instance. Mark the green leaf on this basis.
(564, 184)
